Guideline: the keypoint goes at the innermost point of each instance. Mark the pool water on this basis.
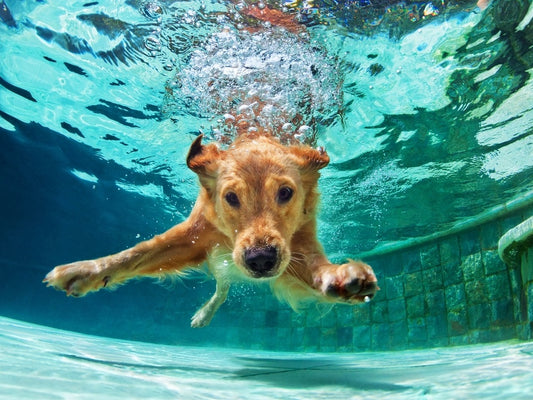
(436, 105)
(46, 363)
(425, 109)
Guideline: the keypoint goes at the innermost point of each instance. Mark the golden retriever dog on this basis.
(255, 218)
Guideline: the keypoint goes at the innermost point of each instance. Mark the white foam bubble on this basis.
(277, 80)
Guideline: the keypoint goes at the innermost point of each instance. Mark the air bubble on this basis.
(152, 10)
(153, 44)
(266, 78)
(303, 129)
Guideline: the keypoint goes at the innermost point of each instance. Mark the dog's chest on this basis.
(221, 265)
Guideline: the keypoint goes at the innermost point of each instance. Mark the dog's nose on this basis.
(261, 260)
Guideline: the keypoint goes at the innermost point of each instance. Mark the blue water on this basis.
(427, 119)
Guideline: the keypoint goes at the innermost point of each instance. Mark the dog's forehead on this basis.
(257, 162)
(260, 157)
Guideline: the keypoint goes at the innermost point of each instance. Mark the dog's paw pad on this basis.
(353, 282)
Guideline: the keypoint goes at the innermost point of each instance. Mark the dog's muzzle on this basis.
(261, 261)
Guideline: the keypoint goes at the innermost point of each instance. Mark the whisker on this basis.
(296, 272)
(298, 257)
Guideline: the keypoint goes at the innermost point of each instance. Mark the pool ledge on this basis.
(516, 204)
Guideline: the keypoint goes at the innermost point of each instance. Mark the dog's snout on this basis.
(262, 261)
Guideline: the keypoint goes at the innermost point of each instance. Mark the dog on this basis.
(254, 218)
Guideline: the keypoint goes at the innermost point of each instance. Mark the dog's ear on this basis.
(203, 159)
(310, 159)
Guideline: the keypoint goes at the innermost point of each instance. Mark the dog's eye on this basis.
(284, 194)
(232, 199)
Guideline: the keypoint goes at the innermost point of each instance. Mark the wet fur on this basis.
(257, 170)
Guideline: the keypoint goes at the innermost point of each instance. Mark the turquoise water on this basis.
(45, 363)
(439, 105)
(427, 118)
(442, 106)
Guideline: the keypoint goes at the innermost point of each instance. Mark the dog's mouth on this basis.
(262, 261)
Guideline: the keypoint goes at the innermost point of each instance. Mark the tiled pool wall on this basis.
(453, 290)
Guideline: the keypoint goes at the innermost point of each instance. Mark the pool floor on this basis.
(38, 362)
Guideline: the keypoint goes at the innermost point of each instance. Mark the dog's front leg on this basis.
(204, 315)
(352, 282)
(185, 245)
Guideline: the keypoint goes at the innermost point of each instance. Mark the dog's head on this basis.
(259, 193)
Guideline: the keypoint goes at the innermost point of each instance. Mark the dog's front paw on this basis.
(353, 282)
(202, 317)
(77, 279)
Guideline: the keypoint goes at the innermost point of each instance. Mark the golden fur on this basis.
(255, 217)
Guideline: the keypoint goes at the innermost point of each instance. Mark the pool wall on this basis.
(455, 290)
